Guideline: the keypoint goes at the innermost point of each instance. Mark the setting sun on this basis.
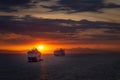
(41, 47)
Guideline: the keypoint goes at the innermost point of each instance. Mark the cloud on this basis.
(81, 5)
(75, 32)
(14, 5)
(57, 5)
(12, 38)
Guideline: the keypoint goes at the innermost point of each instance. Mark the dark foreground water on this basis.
(70, 67)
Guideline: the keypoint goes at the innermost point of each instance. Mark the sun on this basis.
(41, 47)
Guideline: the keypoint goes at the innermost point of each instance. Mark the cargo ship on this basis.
(59, 52)
(34, 55)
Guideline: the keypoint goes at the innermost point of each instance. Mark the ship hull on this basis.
(60, 52)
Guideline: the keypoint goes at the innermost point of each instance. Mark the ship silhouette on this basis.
(59, 52)
(34, 55)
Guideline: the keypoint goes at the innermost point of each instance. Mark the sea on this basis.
(68, 67)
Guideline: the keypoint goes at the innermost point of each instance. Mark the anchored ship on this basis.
(34, 55)
(59, 52)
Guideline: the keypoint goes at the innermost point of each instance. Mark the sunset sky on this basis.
(69, 24)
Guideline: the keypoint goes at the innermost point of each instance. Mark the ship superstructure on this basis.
(59, 52)
(34, 55)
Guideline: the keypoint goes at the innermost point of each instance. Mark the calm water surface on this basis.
(69, 67)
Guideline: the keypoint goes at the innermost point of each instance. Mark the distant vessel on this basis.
(60, 52)
(34, 55)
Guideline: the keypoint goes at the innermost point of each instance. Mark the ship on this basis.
(59, 52)
(34, 55)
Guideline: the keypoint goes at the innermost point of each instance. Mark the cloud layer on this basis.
(81, 5)
(57, 5)
(13, 5)
(59, 29)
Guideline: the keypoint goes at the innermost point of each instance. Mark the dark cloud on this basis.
(113, 31)
(33, 24)
(17, 41)
(67, 5)
(98, 24)
(104, 37)
(10, 5)
(81, 5)
(52, 29)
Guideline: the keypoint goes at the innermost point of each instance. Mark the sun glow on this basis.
(41, 47)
